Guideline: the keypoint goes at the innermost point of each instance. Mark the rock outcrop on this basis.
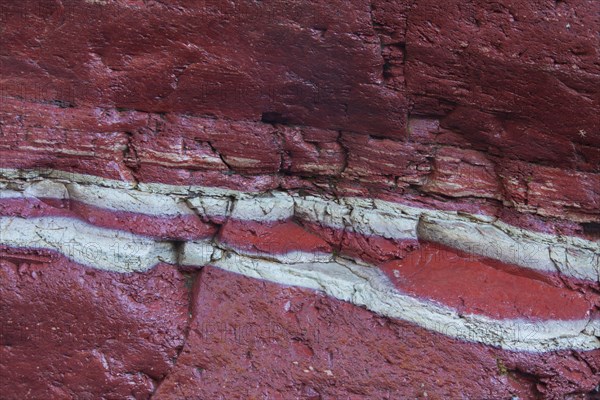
(283, 199)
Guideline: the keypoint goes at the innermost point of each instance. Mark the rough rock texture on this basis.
(203, 151)
(73, 332)
(415, 160)
(498, 81)
(298, 344)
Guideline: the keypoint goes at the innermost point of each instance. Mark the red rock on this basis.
(485, 107)
(383, 162)
(73, 332)
(375, 249)
(547, 225)
(548, 190)
(182, 227)
(319, 65)
(184, 177)
(312, 152)
(272, 238)
(201, 151)
(476, 285)
(369, 248)
(498, 74)
(254, 339)
(463, 173)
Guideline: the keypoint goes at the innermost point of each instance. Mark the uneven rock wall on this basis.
(282, 199)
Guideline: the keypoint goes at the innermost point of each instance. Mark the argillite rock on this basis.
(300, 200)
(299, 344)
(73, 332)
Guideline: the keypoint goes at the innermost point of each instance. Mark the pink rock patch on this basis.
(271, 237)
(474, 284)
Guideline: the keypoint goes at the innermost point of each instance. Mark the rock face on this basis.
(299, 344)
(354, 200)
(73, 332)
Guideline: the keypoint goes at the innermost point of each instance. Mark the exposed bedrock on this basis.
(288, 199)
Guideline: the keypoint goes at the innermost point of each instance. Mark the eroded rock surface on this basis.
(74, 332)
(296, 343)
(389, 199)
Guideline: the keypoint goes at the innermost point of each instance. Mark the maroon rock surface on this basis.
(320, 64)
(252, 339)
(70, 332)
(488, 107)
(513, 78)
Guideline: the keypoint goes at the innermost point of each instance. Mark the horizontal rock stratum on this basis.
(300, 200)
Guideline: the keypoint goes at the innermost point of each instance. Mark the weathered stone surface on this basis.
(185, 150)
(185, 226)
(516, 79)
(256, 339)
(320, 64)
(271, 238)
(74, 332)
(312, 152)
(547, 190)
(371, 230)
(369, 248)
(383, 163)
(463, 173)
(309, 144)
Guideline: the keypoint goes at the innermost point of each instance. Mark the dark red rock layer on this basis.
(72, 332)
(498, 68)
(182, 227)
(516, 79)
